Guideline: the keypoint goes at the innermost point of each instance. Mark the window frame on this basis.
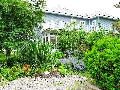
(82, 23)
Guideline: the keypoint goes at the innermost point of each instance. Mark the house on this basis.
(56, 18)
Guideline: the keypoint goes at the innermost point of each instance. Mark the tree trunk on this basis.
(8, 52)
(1, 51)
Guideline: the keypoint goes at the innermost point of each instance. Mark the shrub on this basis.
(11, 74)
(35, 53)
(2, 60)
(2, 57)
(12, 60)
(87, 40)
(16, 71)
(39, 55)
(55, 58)
(92, 38)
(65, 42)
(103, 62)
(62, 69)
(73, 63)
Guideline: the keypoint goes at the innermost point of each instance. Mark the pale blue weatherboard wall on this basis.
(105, 22)
(56, 17)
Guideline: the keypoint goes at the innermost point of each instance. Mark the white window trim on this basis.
(82, 23)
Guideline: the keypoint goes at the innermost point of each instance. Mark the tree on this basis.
(17, 20)
(117, 5)
(116, 25)
(70, 39)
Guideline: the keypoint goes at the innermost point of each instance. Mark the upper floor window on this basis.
(94, 22)
(93, 28)
(82, 23)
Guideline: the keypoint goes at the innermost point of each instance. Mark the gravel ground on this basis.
(43, 83)
(73, 82)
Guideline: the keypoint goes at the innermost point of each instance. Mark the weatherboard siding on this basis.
(57, 21)
(61, 19)
(106, 23)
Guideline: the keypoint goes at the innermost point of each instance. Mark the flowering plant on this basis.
(74, 62)
(26, 68)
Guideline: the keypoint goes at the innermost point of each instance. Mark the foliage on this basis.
(16, 72)
(103, 62)
(78, 41)
(116, 25)
(7, 73)
(12, 60)
(73, 63)
(92, 38)
(62, 69)
(55, 58)
(35, 53)
(37, 3)
(2, 57)
(38, 54)
(70, 39)
(17, 20)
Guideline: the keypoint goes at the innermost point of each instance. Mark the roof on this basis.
(66, 12)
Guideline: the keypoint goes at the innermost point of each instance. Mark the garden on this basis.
(92, 55)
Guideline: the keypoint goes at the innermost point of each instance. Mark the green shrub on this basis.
(35, 53)
(39, 55)
(70, 39)
(2, 56)
(12, 60)
(55, 58)
(2, 60)
(103, 62)
(92, 38)
(10, 74)
(16, 71)
(62, 69)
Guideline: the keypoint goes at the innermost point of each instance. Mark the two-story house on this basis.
(57, 18)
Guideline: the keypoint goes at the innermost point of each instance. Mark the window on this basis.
(53, 40)
(43, 40)
(94, 22)
(46, 39)
(93, 28)
(82, 23)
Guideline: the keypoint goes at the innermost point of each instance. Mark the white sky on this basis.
(87, 6)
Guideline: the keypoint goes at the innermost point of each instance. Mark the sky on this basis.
(87, 6)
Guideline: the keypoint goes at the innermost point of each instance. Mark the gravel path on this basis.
(43, 83)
